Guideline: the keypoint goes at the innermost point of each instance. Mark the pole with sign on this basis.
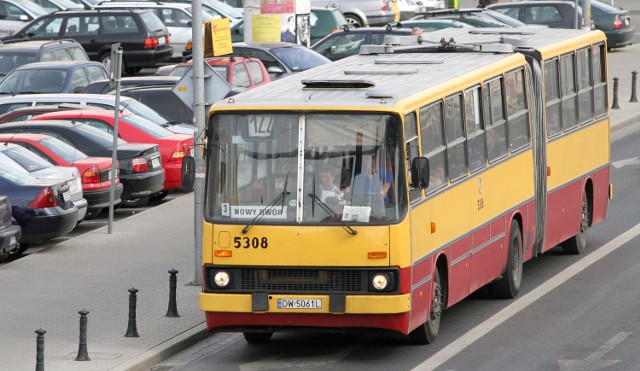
(114, 81)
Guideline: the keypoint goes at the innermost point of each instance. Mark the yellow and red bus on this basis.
(379, 190)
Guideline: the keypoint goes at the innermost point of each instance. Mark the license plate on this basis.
(74, 186)
(162, 40)
(191, 152)
(299, 304)
(155, 162)
(626, 21)
(66, 196)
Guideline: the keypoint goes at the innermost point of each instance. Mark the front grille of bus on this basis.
(301, 280)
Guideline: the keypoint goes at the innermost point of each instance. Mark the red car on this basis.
(134, 128)
(95, 172)
(240, 72)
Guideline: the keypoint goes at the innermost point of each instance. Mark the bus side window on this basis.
(456, 157)
(495, 128)
(412, 150)
(552, 97)
(599, 82)
(432, 130)
(475, 129)
(568, 90)
(585, 98)
(518, 118)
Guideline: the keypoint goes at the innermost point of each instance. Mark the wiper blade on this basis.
(281, 198)
(328, 210)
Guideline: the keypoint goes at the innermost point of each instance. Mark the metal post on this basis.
(615, 94)
(116, 74)
(83, 355)
(634, 81)
(40, 349)
(172, 311)
(132, 330)
(199, 140)
(586, 14)
(576, 14)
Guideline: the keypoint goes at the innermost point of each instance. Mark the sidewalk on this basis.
(94, 272)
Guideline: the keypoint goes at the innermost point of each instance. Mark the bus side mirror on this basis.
(188, 172)
(420, 172)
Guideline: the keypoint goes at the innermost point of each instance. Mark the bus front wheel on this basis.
(257, 337)
(428, 331)
(509, 285)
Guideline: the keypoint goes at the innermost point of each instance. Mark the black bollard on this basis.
(132, 330)
(40, 349)
(615, 94)
(172, 311)
(634, 80)
(83, 355)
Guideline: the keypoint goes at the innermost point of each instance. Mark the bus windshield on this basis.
(348, 168)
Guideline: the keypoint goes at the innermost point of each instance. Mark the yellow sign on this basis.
(221, 36)
(396, 10)
(265, 28)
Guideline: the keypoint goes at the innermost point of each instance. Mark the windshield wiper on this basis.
(328, 210)
(282, 196)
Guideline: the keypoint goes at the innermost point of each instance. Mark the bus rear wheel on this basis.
(428, 331)
(257, 337)
(578, 243)
(509, 285)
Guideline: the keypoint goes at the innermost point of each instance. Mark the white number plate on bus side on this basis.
(299, 304)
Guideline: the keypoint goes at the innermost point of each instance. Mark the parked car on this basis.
(141, 32)
(55, 5)
(9, 233)
(614, 22)
(141, 172)
(464, 13)
(15, 53)
(342, 44)
(220, 9)
(163, 100)
(361, 13)
(242, 73)
(17, 13)
(53, 77)
(175, 16)
(132, 128)
(554, 14)
(430, 25)
(95, 172)
(28, 162)
(281, 59)
(41, 207)
(409, 8)
(26, 113)
(86, 4)
(103, 86)
(101, 101)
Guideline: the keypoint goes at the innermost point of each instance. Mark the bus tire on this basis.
(257, 337)
(578, 243)
(509, 285)
(427, 332)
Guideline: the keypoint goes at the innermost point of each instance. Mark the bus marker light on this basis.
(377, 254)
(433, 227)
(548, 170)
(611, 191)
(223, 253)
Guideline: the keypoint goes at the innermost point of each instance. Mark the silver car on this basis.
(361, 13)
(21, 159)
(15, 14)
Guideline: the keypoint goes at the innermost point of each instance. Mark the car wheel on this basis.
(353, 20)
(135, 202)
(92, 214)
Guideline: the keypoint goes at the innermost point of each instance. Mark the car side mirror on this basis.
(188, 175)
(275, 70)
(24, 18)
(420, 172)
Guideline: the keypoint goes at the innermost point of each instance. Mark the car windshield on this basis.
(23, 157)
(67, 152)
(147, 126)
(14, 176)
(152, 21)
(34, 8)
(224, 8)
(145, 111)
(10, 59)
(104, 139)
(42, 80)
(504, 18)
(299, 58)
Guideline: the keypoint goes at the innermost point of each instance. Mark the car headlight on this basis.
(222, 279)
(380, 281)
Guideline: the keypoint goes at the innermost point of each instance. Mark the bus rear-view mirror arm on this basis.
(420, 172)
(188, 172)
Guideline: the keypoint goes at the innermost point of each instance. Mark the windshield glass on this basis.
(10, 59)
(147, 126)
(14, 176)
(350, 170)
(145, 111)
(25, 158)
(62, 149)
(299, 58)
(34, 81)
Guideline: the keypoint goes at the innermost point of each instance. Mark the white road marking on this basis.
(594, 361)
(523, 302)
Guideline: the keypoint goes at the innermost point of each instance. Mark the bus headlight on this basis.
(380, 281)
(221, 279)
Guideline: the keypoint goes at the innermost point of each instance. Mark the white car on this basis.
(175, 16)
(14, 14)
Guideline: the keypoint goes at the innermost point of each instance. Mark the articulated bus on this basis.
(374, 192)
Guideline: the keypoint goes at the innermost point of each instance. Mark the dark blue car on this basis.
(9, 232)
(53, 77)
(41, 207)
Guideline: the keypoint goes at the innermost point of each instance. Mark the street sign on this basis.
(215, 86)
